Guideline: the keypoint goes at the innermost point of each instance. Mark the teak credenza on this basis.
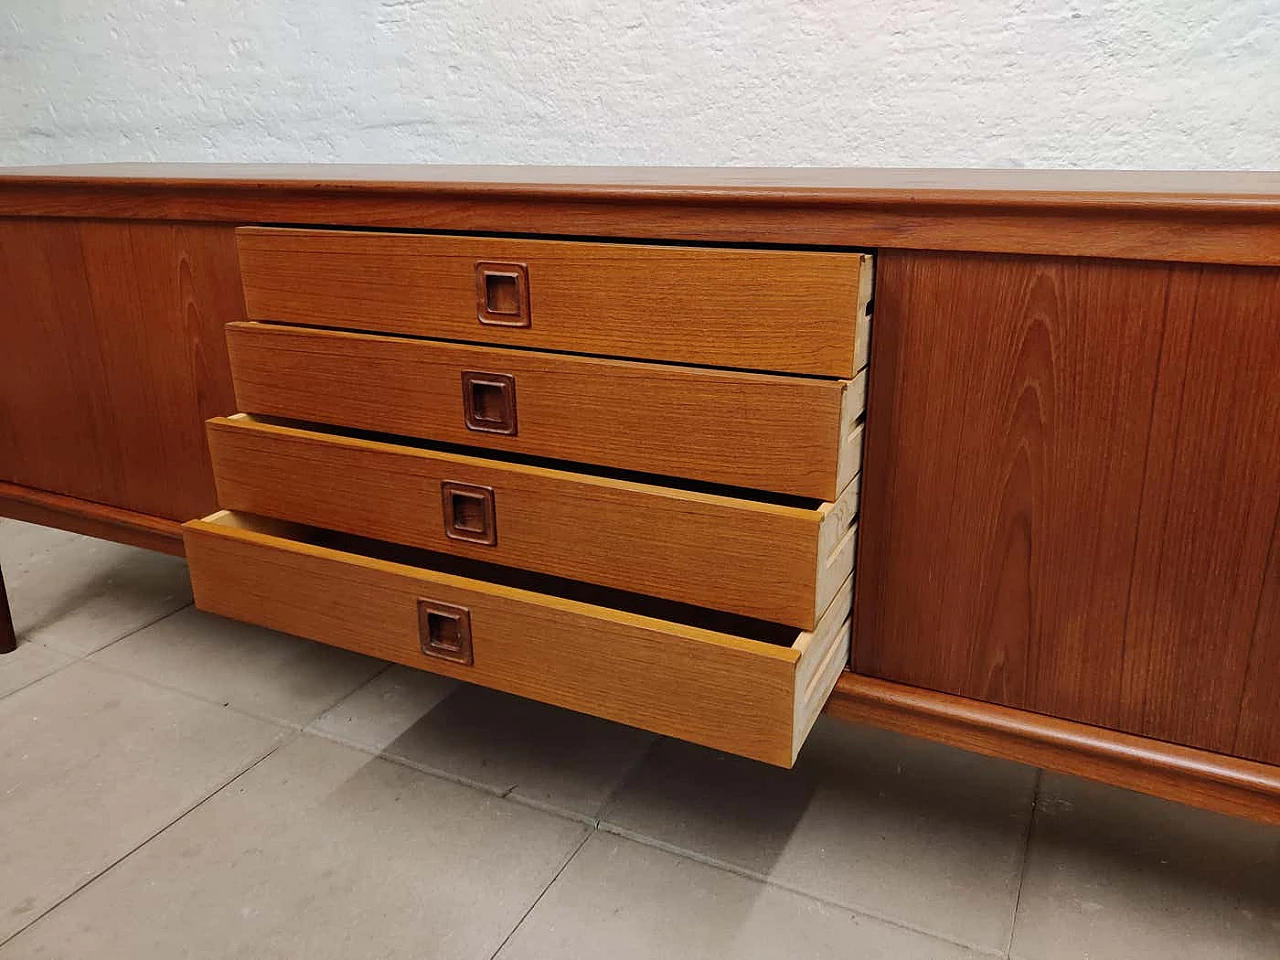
(991, 457)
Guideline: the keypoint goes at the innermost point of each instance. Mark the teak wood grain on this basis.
(768, 432)
(90, 519)
(769, 561)
(1208, 517)
(1001, 560)
(723, 691)
(1179, 216)
(113, 357)
(1088, 533)
(1258, 735)
(783, 310)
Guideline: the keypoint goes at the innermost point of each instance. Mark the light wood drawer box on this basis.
(755, 698)
(791, 435)
(759, 309)
(769, 560)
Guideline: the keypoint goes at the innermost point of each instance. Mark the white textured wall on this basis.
(1089, 83)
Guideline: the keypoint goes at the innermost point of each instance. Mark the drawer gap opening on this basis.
(523, 348)
(763, 631)
(577, 238)
(548, 463)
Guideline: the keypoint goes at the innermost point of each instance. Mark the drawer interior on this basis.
(444, 565)
(669, 611)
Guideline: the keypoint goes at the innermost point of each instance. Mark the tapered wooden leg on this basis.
(8, 639)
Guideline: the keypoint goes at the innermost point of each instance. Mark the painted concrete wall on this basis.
(1088, 83)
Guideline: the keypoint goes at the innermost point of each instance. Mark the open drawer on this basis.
(778, 559)
(738, 685)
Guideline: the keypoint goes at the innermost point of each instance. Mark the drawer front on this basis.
(789, 435)
(791, 311)
(762, 560)
(745, 696)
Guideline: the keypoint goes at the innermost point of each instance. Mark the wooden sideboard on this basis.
(1064, 484)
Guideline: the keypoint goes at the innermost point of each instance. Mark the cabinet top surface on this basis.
(1195, 216)
(849, 185)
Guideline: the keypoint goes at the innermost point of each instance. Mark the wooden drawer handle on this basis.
(445, 631)
(489, 402)
(502, 294)
(469, 512)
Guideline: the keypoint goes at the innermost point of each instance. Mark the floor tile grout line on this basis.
(77, 657)
(645, 756)
(72, 658)
(227, 704)
(285, 741)
(748, 874)
(34, 680)
(1026, 860)
(505, 793)
(538, 899)
(386, 665)
(437, 773)
(201, 697)
(126, 636)
(502, 793)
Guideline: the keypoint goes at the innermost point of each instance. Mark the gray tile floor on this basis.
(177, 785)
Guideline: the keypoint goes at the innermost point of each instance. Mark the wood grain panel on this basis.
(1208, 512)
(113, 356)
(90, 519)
(756, 559)
(754, 430)
(1188, 216)
(784, 310)
(52, 370)
(1258, 735)
(1006, 438)
(1088, 536)
(712, 688)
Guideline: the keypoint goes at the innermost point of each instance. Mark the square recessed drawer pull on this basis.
(502, 294)
(469, 513)
(489, 401)
(445, 631)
